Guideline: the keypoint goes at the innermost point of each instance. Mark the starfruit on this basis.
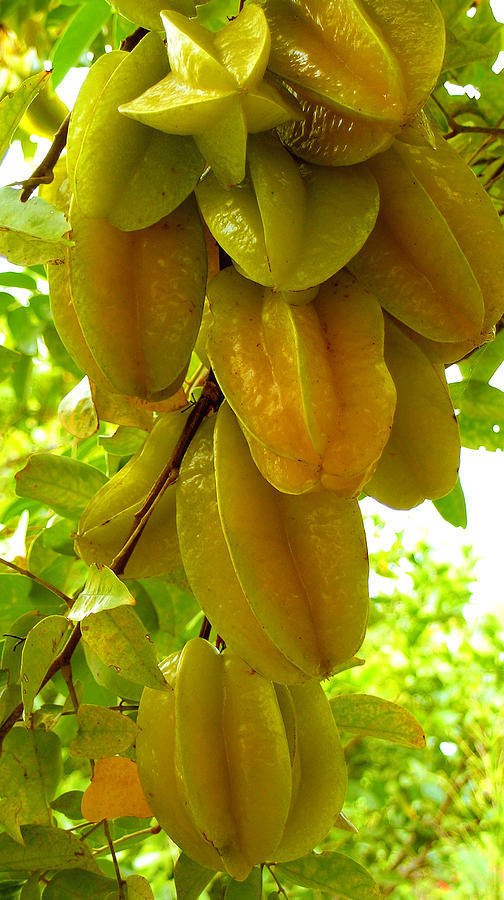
(359, 69)
(133, 300)
(283, 579)
(422, 456)
(289, 225)
(308, 384)
(119, 169)
(216, 89)
(436, 256)
(238, 770)
(109, 517)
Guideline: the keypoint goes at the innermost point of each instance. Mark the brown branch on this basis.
(132, 40)
(50, 587)
(211, 398)
(58, 663)
(120, 880)
(457, 128)
(205, 629)
(44, 173)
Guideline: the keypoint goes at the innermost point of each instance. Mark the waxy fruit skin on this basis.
(421, 459)
(216, 90)
(138, 298)
(309, 384)
(119, 170)
(290, 225)
(423, 258)
(108, 519)
(287, 583)
(359, 69)
(238, 770)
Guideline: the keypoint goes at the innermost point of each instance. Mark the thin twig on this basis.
(120, 881)
(44, 173)
(210, 399)
(457, 128)
(50, 587)
(205, 629)
(58, 663)
(281, 889)
(66, 671)
(154, 829)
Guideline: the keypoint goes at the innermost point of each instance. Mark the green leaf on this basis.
(125, 442)
(14, 105)
(102, 732)
(77, 412)
(103, 590)
(14, 591)
(18, 280)
(8, 361)
(453, 507)
(484, 363)
(24, 329)
(13, 646)
(45, 849)
(41, 647)
(63, 484)
(330, 872)
(79, 34)
(10, 697)
(31, 232)
(139, 888)
(190, 878)
(31, 889)
(30, 768)
(461, 50)
(77, 884)
(10, 813)
(69, 804)
(119, 638)
(481, 417)
(108, 677)
(368, 715)
(250, 889)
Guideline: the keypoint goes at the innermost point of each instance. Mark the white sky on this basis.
(481, 472)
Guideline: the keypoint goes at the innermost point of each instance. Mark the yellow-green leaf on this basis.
(15, 104)
(368, 715)
(102, 732)
(119, 638)
(103, 590)
(331, 873)
(40, 648)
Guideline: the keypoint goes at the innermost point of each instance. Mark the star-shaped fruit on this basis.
(216, 89)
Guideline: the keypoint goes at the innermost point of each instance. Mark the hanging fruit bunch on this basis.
(359, 257)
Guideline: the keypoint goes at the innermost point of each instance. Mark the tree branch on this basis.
(210, 399)
(50, 587)
(457, 128)
(44, 173)
(62, 660)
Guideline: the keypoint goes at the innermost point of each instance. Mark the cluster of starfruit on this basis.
(364, 257)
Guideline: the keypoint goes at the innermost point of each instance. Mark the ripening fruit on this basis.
(108, 519)
(216, 89)
(137, 298)
(359, 69)
(308, 384)
(120, 170)
(422, 456)
(289, 225)
(283, 579)
(476, 227)
(238, 770)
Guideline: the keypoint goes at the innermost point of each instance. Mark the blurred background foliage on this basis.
(430, 823)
